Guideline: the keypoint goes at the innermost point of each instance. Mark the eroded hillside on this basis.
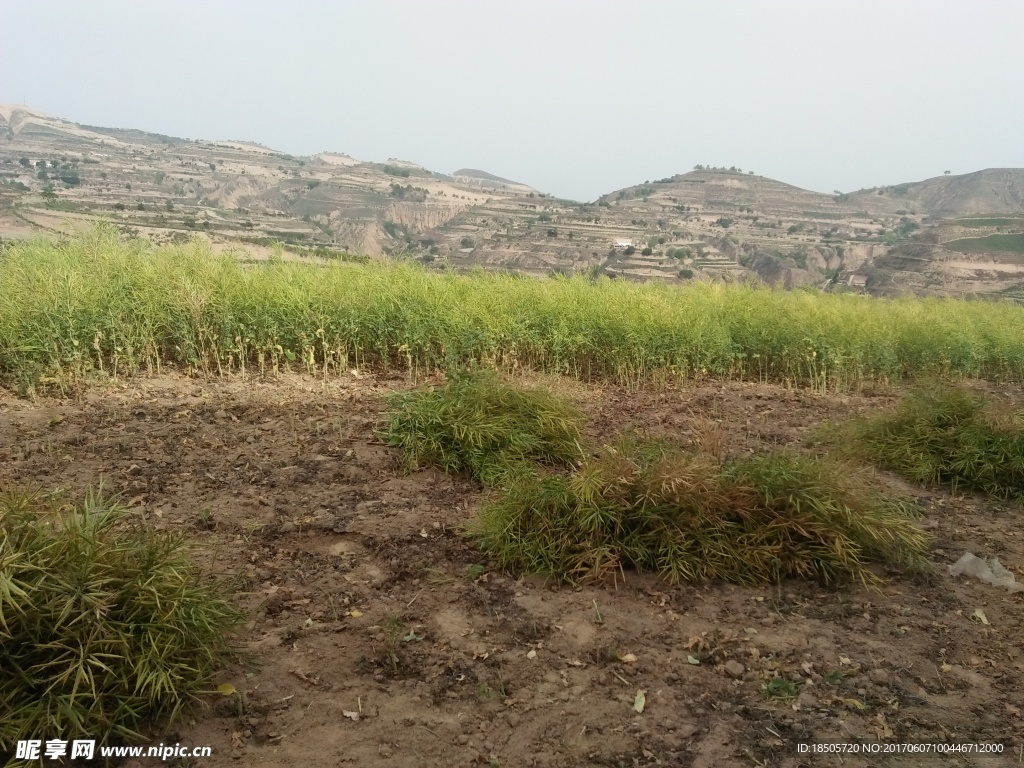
(947, 235)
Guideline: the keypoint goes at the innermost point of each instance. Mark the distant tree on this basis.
(40, 163)
(466, 242)
(49, 195)
(552, 233)
(945, 173)
(28, 163)
(141, 206)
(686, 274)
(71, 178)
(630, 250)
(213, 166)
(648, 251)
(55, 163)
(43, 176)
(158, 177)
(169, 205)
(118, 206)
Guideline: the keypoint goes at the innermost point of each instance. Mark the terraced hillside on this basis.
(58, 175)
(947, 235)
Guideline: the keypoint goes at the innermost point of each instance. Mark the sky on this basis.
(574, 97)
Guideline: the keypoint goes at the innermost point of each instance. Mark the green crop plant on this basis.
(687, 516)
(98, 305)
(943, 435)
(104, 624)
(482, 426)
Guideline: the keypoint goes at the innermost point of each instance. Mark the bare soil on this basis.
(379, 635)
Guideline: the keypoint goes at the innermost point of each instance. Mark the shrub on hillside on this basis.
(103, 623)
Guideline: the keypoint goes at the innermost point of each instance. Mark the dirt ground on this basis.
(381, 636)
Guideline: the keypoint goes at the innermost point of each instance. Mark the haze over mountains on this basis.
(949, 234)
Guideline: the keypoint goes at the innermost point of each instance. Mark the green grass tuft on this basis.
(103, 623)
(943, 435)
(479, 425)
(686, 516)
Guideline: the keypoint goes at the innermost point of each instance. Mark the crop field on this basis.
(978, 221)
(998, 243)
(97, 305)
(374, 515)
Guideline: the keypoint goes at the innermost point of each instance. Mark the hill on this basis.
(946, 235)
(489, 180)
(60, 176)
(991, 191)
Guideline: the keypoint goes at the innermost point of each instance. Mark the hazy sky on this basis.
(576, 98)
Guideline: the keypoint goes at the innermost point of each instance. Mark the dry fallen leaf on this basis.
(355, 614)
(854, 704)
(227, 689)
(531, 655)
(882, 729)
(980, 616)
(696, 644)
(627, 658)
(640, 701)
(354, 716)
(693, 660)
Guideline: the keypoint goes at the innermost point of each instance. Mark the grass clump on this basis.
(943, 435)
(103, 624)
(687, 516)
(479, 425)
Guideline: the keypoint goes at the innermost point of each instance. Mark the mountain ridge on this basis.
(707, 223)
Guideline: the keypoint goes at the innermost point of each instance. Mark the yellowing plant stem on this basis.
(98, 303)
